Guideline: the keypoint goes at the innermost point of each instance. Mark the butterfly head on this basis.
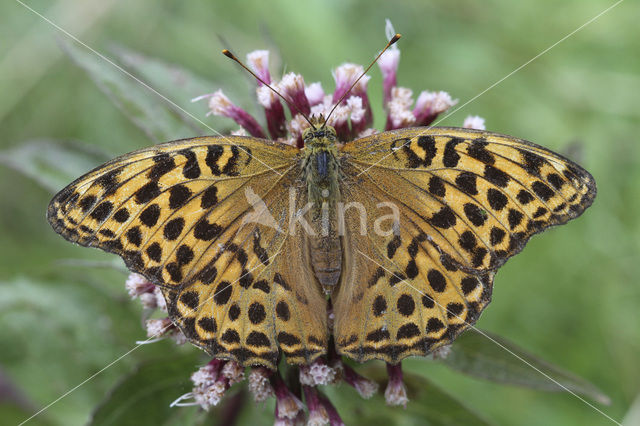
(319, 133)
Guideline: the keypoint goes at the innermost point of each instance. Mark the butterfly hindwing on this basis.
(254, 296)
(468, 200)
(174, 213)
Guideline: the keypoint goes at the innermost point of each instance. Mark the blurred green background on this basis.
(572, 297)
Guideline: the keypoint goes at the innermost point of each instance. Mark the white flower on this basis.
(314, 93)
(317, 373)
(258, 61)
(474, 122)
(354, 103)
(138, 285)
(233, 372)
(259, 384)
(433, 103)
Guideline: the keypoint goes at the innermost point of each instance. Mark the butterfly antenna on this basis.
(394, 39)
(230, 55)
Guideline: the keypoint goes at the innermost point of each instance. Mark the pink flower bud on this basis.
(259, 384)
(388, 64)
(314, 93)
(318, 415)
(158, 327)
(161, 303)
(441, 352)
(334, 417)
(137, 285)
(365, 387)
(233, 372)
(208, 374)
(345, 75)
(292, 87)
(273, 111)
(287, 404)
(258, 61)
(149, 300)
(399, 114)
(396, 393)
(209, 396)
(219, 104)
(430, 104)
(318, 373)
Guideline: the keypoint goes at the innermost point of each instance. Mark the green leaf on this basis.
(52, 163)
(155, 116)
(150, 389)
(632, 418)
(12, 414)
(182, 85)
(115, 264)
(502, 361)
(154, 385)
(56, 334)
(428, 404)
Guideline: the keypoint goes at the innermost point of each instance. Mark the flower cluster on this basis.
(352, 118)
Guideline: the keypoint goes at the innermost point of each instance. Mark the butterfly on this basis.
(384, 247)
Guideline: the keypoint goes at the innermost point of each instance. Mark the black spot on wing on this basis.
(230, 169)
(214, 152)
(478, 150)
(532, 162)
(191, 169)
(444, 218)
(496, 176)
(164, 163)
(178, 196)
(466, 181)
(147, 192)
(451, 157)
(542, 190)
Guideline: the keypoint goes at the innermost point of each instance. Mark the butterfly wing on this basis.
(468, 200)
(190, 216)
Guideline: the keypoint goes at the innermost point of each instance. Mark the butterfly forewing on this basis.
(468, 200)
(175, 214)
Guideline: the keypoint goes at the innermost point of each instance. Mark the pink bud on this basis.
(233, 372)
(317, 412)
(273, 111)
(318, 373)
(441, 352)
(258, 61)
(137, 285)
(259, 384)
(396, 393)
(292, 87)
(158, 327)
(345, 75)
(388, 64)
(314, 93)
(287, 404)
(399, 114)
(365, 387)
(334, 417)
(430, 104)
(219, 104)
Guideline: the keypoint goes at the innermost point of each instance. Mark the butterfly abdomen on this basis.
(321, 173)
(326, 258)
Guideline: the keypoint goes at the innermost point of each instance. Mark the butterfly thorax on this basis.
(321, 174)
